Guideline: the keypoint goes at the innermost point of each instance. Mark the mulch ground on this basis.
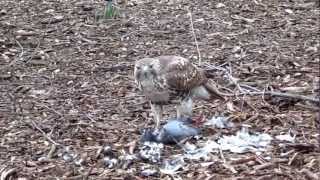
(66, 78)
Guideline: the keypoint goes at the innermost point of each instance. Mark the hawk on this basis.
(167, 79)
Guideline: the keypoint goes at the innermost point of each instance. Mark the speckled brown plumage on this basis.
(166, 78)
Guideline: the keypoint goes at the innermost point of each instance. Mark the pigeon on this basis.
(172, 132)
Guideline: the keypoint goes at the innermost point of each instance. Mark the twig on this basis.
(20, 48)
(292, 158)
(286, 95)
(309, 174)
(86, 175)
(258, 92)
(249, 87)
(52, 151)
(317, 122)
(43, 133)
(230, 167)
(49, 108)
(14, 61)
(222, 156)
(264, 166)
(243, 160)
(5, 174)
(90, 118)
(195, 37)
(318, 127)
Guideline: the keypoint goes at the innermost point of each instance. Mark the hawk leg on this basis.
(184, 109)
(157, 113)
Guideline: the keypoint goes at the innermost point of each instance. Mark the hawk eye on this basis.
(150, 66)
(138, 67)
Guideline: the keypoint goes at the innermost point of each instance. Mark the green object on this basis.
(109, 11)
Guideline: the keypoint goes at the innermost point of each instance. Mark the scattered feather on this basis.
(110, 162)
(173, 166)
(244, 142)
(220, 5)
(147, 171)
(151, 151)
(67, 154)
(203, 152)
(286, 137)
(219, 122)
(127, 160)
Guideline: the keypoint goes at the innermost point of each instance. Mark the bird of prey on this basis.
(167, 79)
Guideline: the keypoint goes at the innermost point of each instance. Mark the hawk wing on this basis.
(180, 74)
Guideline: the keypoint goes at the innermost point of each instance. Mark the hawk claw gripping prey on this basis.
(165, 79)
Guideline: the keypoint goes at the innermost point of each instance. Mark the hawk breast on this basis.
(157, 91)
(175, 78)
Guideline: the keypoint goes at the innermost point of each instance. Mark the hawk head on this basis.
(146, 69)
